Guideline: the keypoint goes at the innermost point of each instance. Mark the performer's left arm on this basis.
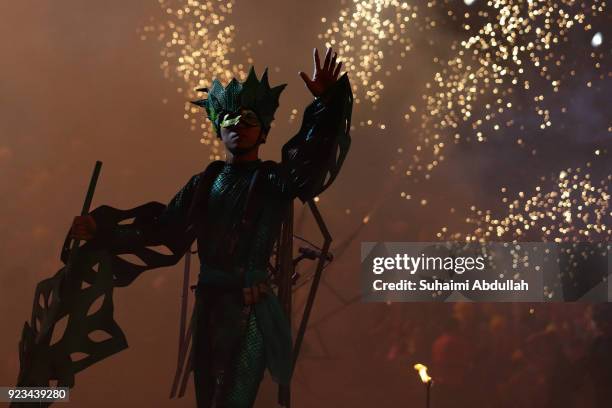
(312, 159)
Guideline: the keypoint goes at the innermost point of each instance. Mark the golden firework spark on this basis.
(575, 209)
(509, 45)
(364, 33)
(198, 43)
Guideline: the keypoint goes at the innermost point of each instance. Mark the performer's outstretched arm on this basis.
(170, 224)
(313, 157)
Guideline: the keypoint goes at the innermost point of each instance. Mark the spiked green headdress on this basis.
(251, 94)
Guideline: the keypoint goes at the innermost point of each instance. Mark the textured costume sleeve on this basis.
(91, 273)
(169, 223)
(312, 159)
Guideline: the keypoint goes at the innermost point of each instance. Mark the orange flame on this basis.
(422, 369)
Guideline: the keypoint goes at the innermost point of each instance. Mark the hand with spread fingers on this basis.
(324, 76)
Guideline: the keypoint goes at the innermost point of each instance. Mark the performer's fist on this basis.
(83, 227)
(324, 76)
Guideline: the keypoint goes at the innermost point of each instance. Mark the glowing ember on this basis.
(597, 40)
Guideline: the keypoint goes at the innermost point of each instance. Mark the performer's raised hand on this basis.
(83, 227)
(324, 76)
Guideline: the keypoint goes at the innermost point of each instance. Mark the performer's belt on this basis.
(255, 293)
(250, 295)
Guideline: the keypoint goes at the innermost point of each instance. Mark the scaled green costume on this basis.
(234, 343)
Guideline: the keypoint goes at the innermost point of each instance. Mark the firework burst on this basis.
(197, 42)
